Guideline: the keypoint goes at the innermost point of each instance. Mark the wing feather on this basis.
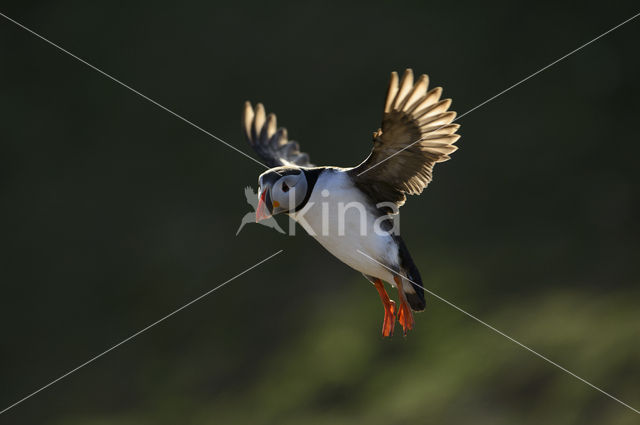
(406, 84)
(429, 99)
(271, 143)
(417, 93)
(416, 133)
(391, 92)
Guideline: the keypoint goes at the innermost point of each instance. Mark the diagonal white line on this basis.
(132, 89)
(503, 334)
(139, 332)
(511, 87)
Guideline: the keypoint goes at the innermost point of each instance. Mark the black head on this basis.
(281, 190)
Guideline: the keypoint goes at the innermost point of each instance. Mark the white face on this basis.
(284, 193)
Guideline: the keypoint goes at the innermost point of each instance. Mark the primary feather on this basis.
(416, 133)
(271, 143)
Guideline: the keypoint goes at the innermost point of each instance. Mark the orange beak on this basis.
(262, 212)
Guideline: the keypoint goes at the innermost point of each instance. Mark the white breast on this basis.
(341, 218)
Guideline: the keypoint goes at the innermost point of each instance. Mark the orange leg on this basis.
(389, 309)
(405, 315)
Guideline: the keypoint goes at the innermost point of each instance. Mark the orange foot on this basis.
(389, 319)
(389, 309)
(405, 317)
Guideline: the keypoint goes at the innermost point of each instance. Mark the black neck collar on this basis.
(311, 175)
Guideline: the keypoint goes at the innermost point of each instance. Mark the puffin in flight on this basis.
(351, 211)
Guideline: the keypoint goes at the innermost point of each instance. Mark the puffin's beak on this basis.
(262, 212)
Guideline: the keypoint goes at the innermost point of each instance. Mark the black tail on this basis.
(414, 292)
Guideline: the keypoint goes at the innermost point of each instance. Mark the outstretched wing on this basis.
(269, 142)
(416, 133)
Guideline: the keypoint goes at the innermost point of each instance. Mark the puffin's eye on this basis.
(285, 188)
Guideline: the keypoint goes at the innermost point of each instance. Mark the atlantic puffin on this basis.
(351, 211)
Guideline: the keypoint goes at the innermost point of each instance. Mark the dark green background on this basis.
(114, 213)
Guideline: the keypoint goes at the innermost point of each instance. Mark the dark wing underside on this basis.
(416, 133)
(269, 142)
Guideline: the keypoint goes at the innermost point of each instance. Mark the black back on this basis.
(417, 301)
